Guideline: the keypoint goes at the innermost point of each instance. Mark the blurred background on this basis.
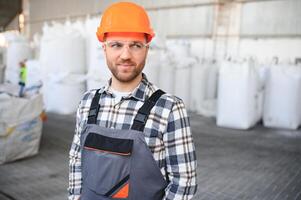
(235, 63)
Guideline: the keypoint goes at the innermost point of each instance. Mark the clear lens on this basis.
(133, 46)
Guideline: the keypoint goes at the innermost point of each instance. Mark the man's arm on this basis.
(75, 175)
(180, 155)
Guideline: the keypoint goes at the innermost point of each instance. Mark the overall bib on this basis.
(117, 164)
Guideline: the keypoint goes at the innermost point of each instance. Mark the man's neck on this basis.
(125, 86)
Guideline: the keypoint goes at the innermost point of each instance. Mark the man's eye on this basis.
(137, 46)
(116, 45)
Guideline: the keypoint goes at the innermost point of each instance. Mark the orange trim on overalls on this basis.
(122, 193)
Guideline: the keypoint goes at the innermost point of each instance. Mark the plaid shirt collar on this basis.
(138, 93)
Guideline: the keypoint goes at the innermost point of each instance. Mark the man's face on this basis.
(124, 56)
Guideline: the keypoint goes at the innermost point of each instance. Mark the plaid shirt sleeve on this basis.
(75, 178)
(180, 155)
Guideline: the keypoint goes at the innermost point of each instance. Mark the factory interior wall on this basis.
(244, 28)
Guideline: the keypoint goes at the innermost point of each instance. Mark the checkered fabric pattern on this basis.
(167, 134)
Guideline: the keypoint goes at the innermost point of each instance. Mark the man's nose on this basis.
(126, 53)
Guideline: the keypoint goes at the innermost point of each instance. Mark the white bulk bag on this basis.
(12, 76)
(15, 110)
(95, 84)
(179, 48)
(153, 65)
(211, 71)
(1, 73)
(63, 92)
(197, 85)
(20, 140)
(100, 71)
(204, 88)
(238, 95)
(20, 126)
(34, 75)
(98, 75)
(17, 51)
(167, 73)
(183, 79)
(282, 108)
(94, 50)
(62, 50)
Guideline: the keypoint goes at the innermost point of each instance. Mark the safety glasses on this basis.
(133, 46)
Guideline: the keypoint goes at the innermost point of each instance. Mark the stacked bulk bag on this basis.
(1, 73)
(2, 59)
(183, 79)
(62, 93)
(182, 63)
(239, 101)
(99, 75)
(156, 60)
(63, 64)
(204, 87)
(62, 50)
(167, 72)
(18, 50)
(98, 72)
(153, 65)
(282, 107)
(34, 76)
(20, 126)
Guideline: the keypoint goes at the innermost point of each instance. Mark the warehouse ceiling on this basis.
(8, 10)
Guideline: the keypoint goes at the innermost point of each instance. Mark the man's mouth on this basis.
(126, 64)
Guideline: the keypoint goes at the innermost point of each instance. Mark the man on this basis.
(22, 76)
(132, 141)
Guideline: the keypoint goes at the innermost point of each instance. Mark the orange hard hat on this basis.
(125, 17)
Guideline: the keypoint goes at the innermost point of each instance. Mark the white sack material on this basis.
(179, 48)
(12, 76)
(238, 96)
(100, 71)
(15, 110)
(167, 73)
(1, 73)
(183, 80)
(95, 84)
(63, 92)
(94, 50)
(20, 140)
(204, 88)
(20, 126)
(282, 107)
(62, 50)
(99, 75)
(34, 76)
(17, 51)
(153, 65)
(198, 78)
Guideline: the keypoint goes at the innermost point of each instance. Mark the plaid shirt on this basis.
(167, 133)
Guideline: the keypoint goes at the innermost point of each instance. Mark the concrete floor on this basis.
(260, 164)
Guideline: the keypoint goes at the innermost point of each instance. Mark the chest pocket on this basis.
(110, 159)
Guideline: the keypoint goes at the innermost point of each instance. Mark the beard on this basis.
(125, 74)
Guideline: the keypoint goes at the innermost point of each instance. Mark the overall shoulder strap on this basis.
(94, 108)
(143, 112)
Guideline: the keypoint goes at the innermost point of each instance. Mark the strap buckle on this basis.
(94, 111)
(141, 118)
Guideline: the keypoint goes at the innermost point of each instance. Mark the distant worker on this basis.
(132, 140)
(22, 78)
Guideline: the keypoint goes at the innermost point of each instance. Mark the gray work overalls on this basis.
(117, 164)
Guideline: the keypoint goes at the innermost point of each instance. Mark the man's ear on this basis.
(103, 47)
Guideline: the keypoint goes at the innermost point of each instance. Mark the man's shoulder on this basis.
(89, 94)
(87, 97)
(168, 100)
(168, 97)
